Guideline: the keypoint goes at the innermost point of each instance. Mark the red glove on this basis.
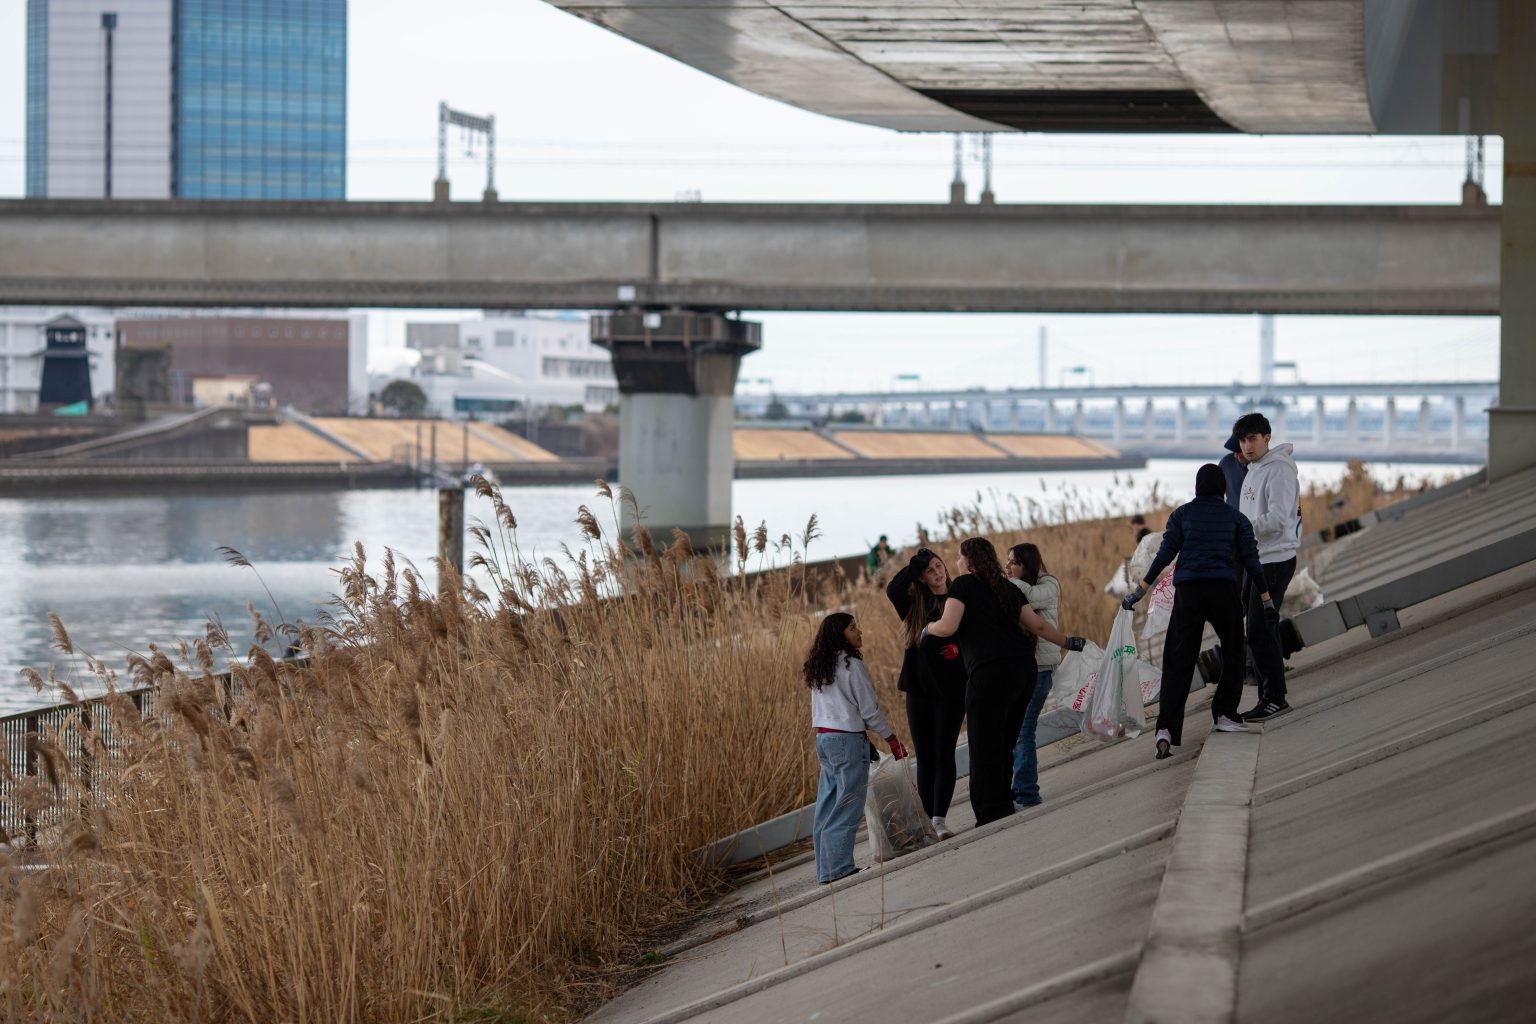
(949, 652)
(897, 750)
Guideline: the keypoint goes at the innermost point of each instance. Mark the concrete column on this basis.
(1277, 423)
(1352, 421)
(1389, 423)
(1050, 417)
(1013, 415)
(1181, 424)
(1424, 427)
(1077, 418)
(954, 414)
(1319, 421)
(1119, 433)
(1512, 421)
(677, 375)
(927, 415)
(986, 415)
(1149, 421)
(1213, 429)
(1459, 422)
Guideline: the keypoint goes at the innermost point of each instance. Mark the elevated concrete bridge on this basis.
(1081, 259)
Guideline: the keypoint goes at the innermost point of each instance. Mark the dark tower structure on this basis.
(66, 375)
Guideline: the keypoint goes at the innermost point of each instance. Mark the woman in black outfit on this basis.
(988, 617)
(933, 678)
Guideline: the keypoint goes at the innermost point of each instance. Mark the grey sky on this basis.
(584, 114)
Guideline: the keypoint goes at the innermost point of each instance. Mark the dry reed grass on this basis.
(468, 807)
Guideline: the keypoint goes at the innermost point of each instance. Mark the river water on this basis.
(122, 572)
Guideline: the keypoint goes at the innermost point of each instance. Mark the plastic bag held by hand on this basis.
(1107, 714)
(1159, 608)
(894, 812)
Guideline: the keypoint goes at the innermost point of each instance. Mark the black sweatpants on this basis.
(934, 725)
(996, 698)
(1196, 602)
(1263, 637)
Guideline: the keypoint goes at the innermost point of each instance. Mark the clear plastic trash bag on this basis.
(1159, 608)
(1107, 713)
(894, 812)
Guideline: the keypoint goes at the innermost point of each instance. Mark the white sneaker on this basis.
(942, 828)
(1225, 724)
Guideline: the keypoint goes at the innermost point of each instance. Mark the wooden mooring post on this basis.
(450, 531)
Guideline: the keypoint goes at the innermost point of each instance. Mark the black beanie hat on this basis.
(1210, 481)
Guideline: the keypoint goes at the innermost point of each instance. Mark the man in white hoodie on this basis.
(1270, 498)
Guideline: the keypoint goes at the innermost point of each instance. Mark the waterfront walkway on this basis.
(1369, 856)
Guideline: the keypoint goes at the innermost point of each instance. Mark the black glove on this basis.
(1076, 643)
(1129, 604)
(1271, 613)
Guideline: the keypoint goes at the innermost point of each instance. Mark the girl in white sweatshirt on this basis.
(842, 707)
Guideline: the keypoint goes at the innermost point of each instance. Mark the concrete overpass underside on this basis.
(1131, 259)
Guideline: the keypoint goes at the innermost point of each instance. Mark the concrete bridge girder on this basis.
(1151, 259)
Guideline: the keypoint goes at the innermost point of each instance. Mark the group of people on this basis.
(981, 646)
(1236, 547)
(972, 654)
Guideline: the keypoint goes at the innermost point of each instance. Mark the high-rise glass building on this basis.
(200, 99)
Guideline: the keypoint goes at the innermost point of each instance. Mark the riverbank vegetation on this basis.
(472, 806)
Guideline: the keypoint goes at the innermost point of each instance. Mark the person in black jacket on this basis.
(933, 679)
(988, 617)
(1211, 541)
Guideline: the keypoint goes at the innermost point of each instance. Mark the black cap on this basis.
(1210, 482)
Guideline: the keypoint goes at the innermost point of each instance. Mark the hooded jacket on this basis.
(1236, 471)
(1269, 500)
(1211, 542)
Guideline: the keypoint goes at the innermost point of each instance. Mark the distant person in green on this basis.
(878, 554)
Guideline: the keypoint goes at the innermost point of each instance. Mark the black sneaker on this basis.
(1265, 711)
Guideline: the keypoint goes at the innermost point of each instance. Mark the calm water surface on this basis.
(124, 572)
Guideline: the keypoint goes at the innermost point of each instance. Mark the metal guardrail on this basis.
(89, 736)
(84, 732)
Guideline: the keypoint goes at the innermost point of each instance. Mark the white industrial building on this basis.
(506, 363)
(23, 340)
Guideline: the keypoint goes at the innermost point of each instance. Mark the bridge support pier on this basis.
(1181, 422)
(1389, 423)
(1352, 421)
(1212, 428)
(1512, 420)
(1319, 421)
(1077, 418)
(1119, 434)
(677, 375)
(1424, 426)
(1050, 417)
(1149, 421)
(1277, 421)
(1459, 422)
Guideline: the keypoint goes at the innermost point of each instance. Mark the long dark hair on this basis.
(981, 556)
(1031, 564)
(921, 602)
(827, 648)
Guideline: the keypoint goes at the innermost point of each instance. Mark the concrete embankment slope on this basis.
(1369, 856)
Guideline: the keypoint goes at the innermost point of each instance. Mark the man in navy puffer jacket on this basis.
(1211, 541)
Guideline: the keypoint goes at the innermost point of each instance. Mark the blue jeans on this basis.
(844, 761)
(1026, 764)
